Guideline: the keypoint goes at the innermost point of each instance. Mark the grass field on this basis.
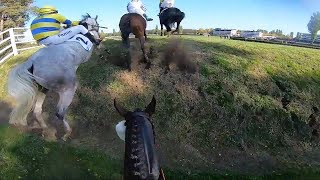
(245, 113)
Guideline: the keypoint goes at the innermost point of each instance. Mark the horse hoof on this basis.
(66, 136)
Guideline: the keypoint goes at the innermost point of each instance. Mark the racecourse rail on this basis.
(14, 36)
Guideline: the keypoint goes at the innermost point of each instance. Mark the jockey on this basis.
(136, 6)
(164, 4)
(46, 27)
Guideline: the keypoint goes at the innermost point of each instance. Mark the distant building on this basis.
(224, 32)
(269, 37)
(305, 37)
(251, 34)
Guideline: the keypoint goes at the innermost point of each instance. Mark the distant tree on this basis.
(15, 13)
(180, 30)
(277, 33)
(292, 35)
(314, 25)
(102, 34)
(156, 30)
(114, 33)
(263, 31)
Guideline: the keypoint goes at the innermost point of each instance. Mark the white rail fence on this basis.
(14, 37)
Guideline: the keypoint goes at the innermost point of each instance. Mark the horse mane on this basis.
(85, 16)
(140, 157)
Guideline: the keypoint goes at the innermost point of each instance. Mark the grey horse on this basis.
(51, 68)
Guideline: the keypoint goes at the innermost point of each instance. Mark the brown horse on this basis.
(136, 24)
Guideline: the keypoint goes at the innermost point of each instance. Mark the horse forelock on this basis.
(141, 159)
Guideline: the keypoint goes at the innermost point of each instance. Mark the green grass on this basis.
(226, 118)
(28, 157)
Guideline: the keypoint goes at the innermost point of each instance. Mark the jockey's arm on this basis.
(64, 20)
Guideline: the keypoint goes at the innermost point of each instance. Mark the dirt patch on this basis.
(178, 54)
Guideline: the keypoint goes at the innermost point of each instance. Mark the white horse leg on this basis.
(38, 109)
(65, 99)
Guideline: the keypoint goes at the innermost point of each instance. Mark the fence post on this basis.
(13, 42)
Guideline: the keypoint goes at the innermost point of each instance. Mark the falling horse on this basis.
(141, 161)
(51, 68)
(136, 24)
(170, 16)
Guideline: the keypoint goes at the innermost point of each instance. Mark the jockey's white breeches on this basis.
(167, 4)
(64, 35)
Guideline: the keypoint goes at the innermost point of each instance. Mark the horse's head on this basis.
(141, 161)
(92, 25)
(131, 116)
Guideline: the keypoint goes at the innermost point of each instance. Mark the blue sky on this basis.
(288, 15)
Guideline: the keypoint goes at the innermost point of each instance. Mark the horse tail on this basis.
(183, 15)
(23, 89)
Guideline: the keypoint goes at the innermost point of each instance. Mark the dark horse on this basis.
(141, 160)
(136, 24)
(170, 16)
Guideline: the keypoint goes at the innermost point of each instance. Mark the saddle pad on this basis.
(164, 10)
(83, 41)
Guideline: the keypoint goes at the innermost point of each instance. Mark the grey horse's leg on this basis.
(38, 109)
(65, 99)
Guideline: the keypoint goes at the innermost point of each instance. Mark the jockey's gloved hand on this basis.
(67, 26)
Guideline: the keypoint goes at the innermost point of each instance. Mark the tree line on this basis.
(15, 13)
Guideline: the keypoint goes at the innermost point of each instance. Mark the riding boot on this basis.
(148, 19)
(91, 38)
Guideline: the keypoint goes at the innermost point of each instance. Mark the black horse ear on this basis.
(96, 17)
(151, 108)
(121, 110)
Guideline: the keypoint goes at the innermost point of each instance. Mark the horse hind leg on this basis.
(169, 30)
(65, 99)
(145, 35)
(161, 34)
(126, 43)
(145, 56)
(178, 26)
(38, 109)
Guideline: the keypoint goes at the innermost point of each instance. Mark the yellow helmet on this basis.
(47, 10)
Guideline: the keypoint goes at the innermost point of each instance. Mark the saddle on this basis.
(164, 10)
(140, 15)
